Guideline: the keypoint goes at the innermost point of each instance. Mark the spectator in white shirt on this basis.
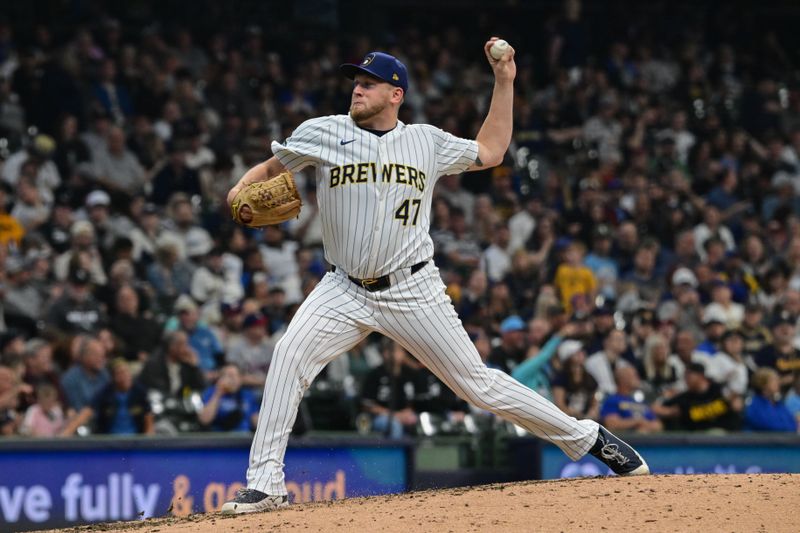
(602, 365)
(495, 260)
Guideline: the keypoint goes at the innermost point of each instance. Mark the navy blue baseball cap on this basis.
(383, 66)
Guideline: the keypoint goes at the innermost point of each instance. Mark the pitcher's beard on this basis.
(362, 113)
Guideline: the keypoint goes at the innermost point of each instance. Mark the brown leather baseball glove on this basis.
(271, 202)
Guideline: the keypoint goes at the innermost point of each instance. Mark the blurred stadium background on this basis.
(636, 258)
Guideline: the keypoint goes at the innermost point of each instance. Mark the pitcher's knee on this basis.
(479, 389)
(289, 353)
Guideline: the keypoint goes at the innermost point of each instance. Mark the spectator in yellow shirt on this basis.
(573, 278)
(10, 228)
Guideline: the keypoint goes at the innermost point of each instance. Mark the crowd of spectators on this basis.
(636, 259)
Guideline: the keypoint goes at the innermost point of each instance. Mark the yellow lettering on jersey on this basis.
(787, 365)
(390, 172)
(412, 177)
(386, 173)
(336, 173)
(363, 169)
(708, 411)
(400, 174)
(347, 173)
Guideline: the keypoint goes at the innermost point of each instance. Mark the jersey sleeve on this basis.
(302, 148)
(453, 154)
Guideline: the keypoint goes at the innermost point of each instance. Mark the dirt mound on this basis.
(746, 502)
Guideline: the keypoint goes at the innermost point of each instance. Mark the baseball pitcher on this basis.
(375, 178)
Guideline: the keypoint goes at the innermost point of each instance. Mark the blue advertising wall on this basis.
(45, 485)
(697, 454)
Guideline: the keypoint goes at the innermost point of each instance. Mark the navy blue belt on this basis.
(383, 282)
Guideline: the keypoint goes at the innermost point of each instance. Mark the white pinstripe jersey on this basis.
(375, 192)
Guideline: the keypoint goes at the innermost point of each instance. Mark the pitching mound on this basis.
(746, 502)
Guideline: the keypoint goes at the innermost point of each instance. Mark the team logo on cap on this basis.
(395, 77)
(368, 60)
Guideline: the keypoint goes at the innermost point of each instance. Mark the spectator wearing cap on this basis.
(624, 409)
(116, 168)
(727, 367)
(201, 338)
(29, 209)
(511, 350)
(765, 411)
(643, 324)
(682, 304)
(23, 300)
(755, 334)
(776, 282)
(712, 227)
(98, 206)
(169, 275)
(713, 329)
(251, 351)
(701, 407)
(722, 304)
(83, 252)
(146, 233)
(573, 278)
(57, 228)
(88, 375)
(210, 286)
(781, 354)
(602, 365)
(601, 324)
(175, 176)
(39, 152)
(194, 239)
(604, 131)
(77, 310)
(601, 263)
(121, 273)
(574, 389)
(173, 383)
(643, 276)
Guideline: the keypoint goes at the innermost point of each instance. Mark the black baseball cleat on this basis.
(253, 501)
(618, 454)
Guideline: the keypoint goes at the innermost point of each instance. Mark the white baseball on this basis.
(498, 49)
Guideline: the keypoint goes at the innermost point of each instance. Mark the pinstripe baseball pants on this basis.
(415, 312)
